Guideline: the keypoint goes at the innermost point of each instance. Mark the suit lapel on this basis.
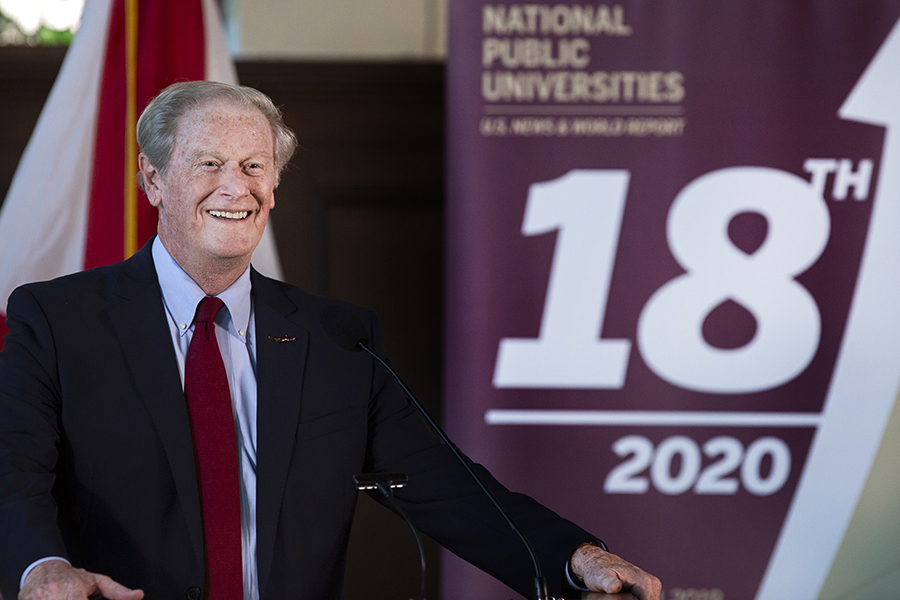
(281, 349)
(140, 320)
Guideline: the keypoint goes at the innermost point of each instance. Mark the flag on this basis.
(73, 203)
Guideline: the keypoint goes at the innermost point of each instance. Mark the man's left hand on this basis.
(603, 571)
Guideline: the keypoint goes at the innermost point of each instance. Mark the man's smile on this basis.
(237, 216)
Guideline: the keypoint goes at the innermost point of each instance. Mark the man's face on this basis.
(215, 198)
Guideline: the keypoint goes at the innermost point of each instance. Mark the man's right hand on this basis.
(57, 580)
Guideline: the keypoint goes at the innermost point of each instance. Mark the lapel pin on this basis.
(281, 338)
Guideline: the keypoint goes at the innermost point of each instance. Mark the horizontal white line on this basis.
(652, 418)
(562, 109)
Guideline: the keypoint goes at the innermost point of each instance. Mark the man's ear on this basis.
(152, 177)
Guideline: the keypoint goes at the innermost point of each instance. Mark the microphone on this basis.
(347, 331)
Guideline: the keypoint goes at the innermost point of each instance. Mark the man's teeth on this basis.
(230, 215)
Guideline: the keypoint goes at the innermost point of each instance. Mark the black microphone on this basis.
(347, 331)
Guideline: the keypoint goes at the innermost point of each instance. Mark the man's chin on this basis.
(234, 252)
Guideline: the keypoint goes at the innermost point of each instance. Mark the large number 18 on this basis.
(586, 207)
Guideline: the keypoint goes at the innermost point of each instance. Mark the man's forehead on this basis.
(222, 110)
(217, 119)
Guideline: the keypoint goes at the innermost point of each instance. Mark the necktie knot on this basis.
(207, 310)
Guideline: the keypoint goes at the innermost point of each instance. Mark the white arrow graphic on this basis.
(867, 374)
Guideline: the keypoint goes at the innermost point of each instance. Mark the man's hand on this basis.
(602, 571)
(56, 580)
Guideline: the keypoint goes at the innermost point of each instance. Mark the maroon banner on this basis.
(672, 280)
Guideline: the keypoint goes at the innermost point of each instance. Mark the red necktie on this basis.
(215, 450)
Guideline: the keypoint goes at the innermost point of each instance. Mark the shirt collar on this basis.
(182, 294)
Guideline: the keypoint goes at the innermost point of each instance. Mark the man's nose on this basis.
(234, 181)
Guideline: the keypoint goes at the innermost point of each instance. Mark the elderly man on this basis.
(179, 424)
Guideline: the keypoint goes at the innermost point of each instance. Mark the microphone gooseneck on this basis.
(347, 331)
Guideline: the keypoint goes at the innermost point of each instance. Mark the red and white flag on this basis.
(73, 203)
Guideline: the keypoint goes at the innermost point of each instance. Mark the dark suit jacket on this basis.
(96, 462)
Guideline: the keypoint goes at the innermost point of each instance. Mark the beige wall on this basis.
(337, 29)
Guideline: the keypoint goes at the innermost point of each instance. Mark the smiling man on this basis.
(181, 425)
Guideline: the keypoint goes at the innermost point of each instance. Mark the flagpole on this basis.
(131, 218)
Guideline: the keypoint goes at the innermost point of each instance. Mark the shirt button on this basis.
(183, 326)
(194, 593)
(242, 332)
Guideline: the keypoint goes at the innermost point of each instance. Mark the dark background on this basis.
(359, 216)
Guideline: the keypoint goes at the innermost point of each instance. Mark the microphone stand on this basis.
(540, 584)
(386, 483)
